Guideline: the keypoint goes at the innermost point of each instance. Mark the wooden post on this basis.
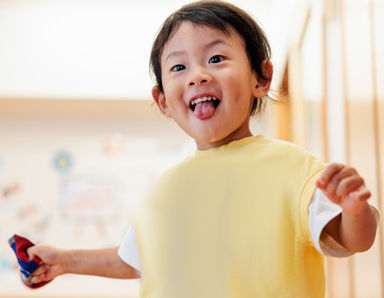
(347, 127)
(324, 131)
(376, 131)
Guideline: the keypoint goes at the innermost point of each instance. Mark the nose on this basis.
(199, 76)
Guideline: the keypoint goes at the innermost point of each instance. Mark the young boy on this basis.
(245, 216)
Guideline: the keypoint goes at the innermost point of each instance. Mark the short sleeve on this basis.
(128, 250)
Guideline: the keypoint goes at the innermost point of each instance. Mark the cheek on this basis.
(237, 78)
(171, 86)
(240, 86)
(174, 100)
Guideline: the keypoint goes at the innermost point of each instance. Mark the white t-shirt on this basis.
(321, 212)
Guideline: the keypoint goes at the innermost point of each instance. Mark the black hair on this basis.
(223, 16)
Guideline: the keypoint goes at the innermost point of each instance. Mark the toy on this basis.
(27, 267)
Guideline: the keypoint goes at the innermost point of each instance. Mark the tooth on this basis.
(202, 99)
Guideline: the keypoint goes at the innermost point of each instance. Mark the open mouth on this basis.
(204, 101)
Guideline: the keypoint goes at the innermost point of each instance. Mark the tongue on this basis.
(204, 110)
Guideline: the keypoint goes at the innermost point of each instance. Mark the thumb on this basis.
(33, 252)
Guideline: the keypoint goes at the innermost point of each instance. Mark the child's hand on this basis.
(344, 186)
(52, 263)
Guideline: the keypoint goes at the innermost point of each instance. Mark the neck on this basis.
(235, 136)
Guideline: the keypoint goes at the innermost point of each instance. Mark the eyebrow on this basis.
(208, 45)
(215, 42)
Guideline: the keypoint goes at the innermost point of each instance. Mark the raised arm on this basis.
(100, 262)
(355, 228)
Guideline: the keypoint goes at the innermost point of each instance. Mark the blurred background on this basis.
(80, 137)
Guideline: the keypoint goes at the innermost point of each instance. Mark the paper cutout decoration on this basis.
(63, 162)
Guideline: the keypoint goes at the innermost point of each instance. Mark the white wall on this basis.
(99, 48)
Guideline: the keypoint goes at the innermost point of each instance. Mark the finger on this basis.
(327, 174)
(355, 200)
(362, 194)
(333, 197)
(348, 185)
(336, 179)
(44, 276)
(35, 251)
(35, 279)
(351, 206)
(42, 269)
(31, 252)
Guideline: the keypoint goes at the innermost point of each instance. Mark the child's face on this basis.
(205, 64)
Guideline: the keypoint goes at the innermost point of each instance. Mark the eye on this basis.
(178, 67)
(216, 59)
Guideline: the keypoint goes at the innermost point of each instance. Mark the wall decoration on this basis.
(114, 145)
(6, 264)
(63, 162)
(9, 190)
(89, 198)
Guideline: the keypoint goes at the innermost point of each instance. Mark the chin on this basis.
(210, 139)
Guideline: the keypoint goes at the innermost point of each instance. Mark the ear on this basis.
(263, 85)
(160, 100)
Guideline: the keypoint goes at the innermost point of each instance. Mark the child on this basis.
(245, 216)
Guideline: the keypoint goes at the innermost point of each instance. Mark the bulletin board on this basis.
(70, 184)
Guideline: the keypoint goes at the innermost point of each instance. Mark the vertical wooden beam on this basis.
(282, 109)
(344, 62)
(295, 75)
(324, 99)
(324, 131)
(296, 96)
(376, 131)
